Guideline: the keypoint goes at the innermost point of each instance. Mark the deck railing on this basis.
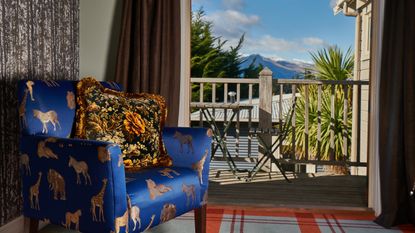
(230, 84)
(270, 109)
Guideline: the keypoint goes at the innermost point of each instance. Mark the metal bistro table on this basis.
(270, 148)
(218, 137)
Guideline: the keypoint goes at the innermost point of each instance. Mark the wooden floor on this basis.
(305, 191)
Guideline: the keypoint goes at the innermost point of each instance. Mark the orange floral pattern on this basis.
(134, 124)
(133, 121)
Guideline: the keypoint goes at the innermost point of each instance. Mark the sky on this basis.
(281, 29)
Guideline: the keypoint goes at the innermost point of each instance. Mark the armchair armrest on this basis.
(190, 148)
(79, 184)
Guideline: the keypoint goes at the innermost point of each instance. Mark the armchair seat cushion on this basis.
(161, 194)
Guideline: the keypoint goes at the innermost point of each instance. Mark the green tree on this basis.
(205, 48)
(209, 58)
(252, 71)
(330, 64)
(232, 60)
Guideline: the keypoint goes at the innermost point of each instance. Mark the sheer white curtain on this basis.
(374, 176)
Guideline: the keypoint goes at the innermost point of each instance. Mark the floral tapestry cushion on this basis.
(133, 121)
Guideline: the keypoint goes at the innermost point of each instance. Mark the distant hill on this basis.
(279, 68)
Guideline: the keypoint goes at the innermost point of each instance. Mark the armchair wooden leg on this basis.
(200, 219)
(34, 225)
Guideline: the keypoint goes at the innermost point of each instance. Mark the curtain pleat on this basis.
(149, 51)
(397, 114)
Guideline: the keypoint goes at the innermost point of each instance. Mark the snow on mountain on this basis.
(280, 68)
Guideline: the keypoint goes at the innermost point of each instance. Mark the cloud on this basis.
(231, 24)
(333, 3)
(313, 41)
(233, 4)
(273, 46)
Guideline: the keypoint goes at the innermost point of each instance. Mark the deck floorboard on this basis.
(324, 190)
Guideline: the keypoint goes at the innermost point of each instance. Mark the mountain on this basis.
(279, 68)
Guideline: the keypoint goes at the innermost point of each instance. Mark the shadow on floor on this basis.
(330, 191)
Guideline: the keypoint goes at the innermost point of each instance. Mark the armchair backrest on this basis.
(48, 107)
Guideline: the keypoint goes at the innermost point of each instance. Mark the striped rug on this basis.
(260, 220)
(228, 219)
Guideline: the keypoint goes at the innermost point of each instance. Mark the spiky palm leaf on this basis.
(330, 64)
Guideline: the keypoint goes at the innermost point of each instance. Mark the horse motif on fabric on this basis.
(184, 140)
(80, 167)
(46, 117)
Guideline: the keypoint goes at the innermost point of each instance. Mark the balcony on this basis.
(321, 154)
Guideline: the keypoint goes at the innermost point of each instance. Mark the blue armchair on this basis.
(82, 185)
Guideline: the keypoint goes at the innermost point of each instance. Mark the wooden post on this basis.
(31, 225)
(355, 111)
(265, 106)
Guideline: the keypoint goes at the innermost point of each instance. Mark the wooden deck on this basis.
(305, 191)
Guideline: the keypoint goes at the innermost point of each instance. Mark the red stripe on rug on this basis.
(214, 219)
(229, 214)
(233, 222)
(242, 222)
(307, 223)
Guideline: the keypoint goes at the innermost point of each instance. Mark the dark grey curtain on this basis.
(149, 51)
(397, 114)
(38, 40)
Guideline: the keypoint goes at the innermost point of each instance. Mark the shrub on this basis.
(330, 64)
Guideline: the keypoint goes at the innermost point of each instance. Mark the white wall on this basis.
(364, 74)
(99, 33)
(185, 19)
